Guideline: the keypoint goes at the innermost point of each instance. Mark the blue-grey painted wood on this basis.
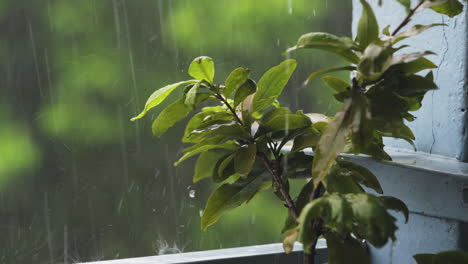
(262, 254)
(440, 127)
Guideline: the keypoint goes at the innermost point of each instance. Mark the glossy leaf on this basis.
(284, 123)
(335, 211)
(368, 28)
(450, 8)
(415, 66)
(169, 116)
(315, 74)
(235, 79)
(272, 83)
(342, 47)
(202, 68)
(225, 168)
(361, 175)
(228, 197)
(206, 163)
(245, 159)
(191, 96)
(227, 145)
(336, 84)
(159, 96)
(305, 141)
(376, 59)
(413, 31)
(247, 88)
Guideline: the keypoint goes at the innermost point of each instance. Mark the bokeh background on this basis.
(78, 180)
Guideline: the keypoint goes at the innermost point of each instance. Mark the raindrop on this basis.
(200, 212)
(192, 193)
(290, 7)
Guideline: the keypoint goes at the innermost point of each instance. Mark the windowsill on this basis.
(254, 254)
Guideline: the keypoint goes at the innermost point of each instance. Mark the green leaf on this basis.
(205, 119)
(191, 96)
(336, 84)
(245, 159)
(447, 257)
(305, 141)
(413, 31)
(315, 74)
(349, 121)
(225, 168)
(335, 212)
(227, 145)
(247, 88)
(342, 251)
(368, 28)
(288, 241)
(235, 79)
(202, 68)
(272, 83)
(376, 59)
(231, 130)
(228, 197)
(362, 214)
(342, 47)
(169, 116)
(361, 175)
(341, 181)
(284, 123)
(450, 8)
(395, 204)
(415, 85)
(415, 66)
(372, 220)
(206, 163)
(159, 96)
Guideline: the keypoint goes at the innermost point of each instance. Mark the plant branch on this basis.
(408, 17)
(284, 192)
(220, 97)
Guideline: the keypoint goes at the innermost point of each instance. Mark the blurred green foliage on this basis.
(77, 182)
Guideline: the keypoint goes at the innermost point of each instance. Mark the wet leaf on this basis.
(415, 66)
(413, 31)
(235, 80)
(368, 28)
(247, 88)
(450, 8)
(284, 122)
(336, 84)
(202, 68)
(191, 96)
(272, 83)
(245, 159)
(206, 163)
(342, 47)
(159, 96)
(361, 175)
(305, 141)
(169, 116)
(228, 197)
(227, 145)
(315, 74)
